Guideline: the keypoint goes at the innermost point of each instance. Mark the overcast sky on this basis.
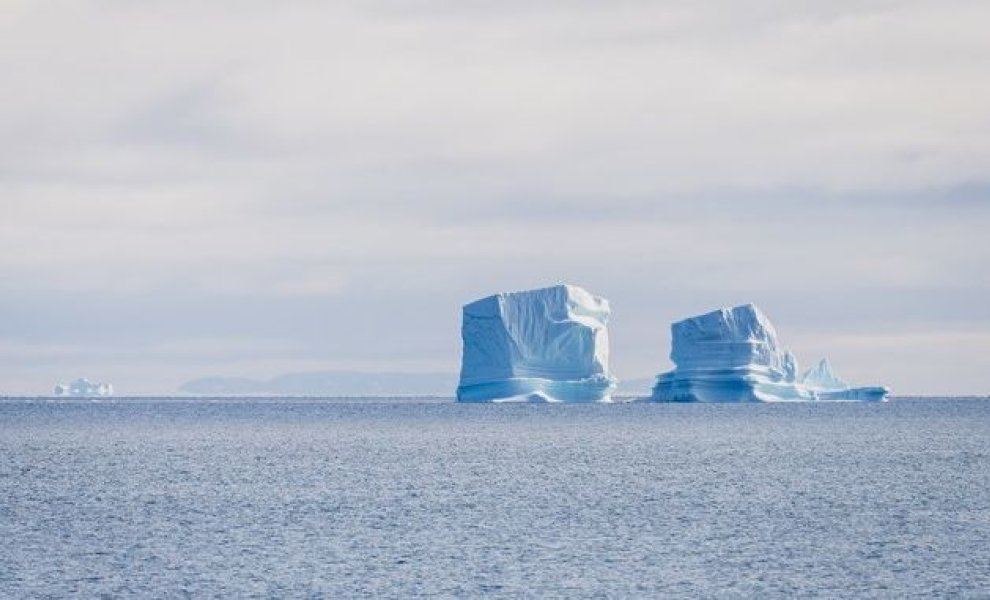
(249, 188)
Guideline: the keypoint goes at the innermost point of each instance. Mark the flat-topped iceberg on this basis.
(733, 355)
(546, 345)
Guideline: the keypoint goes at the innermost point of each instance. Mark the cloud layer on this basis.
(243, 188)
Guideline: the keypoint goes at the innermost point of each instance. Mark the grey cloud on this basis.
(336, 179)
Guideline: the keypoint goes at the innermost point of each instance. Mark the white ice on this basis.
(545, 345)
(83, 388)
(733, 355)
(821, 377)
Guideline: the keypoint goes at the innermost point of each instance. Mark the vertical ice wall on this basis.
(549, 344)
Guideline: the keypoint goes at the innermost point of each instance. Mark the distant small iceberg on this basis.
(83, 388)
(733, 355)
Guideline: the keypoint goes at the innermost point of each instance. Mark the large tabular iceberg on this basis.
(546, 345)
(732, 355)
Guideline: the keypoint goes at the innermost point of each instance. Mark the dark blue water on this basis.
(355, 499)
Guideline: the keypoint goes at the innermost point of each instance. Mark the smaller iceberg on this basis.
(84, 388)
(545, 345)
(733, 355)
(826, 385)
(821, 377)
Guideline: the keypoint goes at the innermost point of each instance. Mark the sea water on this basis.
(406, 498)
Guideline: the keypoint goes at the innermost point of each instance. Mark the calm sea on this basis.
(351, 499)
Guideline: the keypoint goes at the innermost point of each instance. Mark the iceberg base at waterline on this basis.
(858, 394)
(728, 386)
(750, 388)
(536, 390)
(732, 355)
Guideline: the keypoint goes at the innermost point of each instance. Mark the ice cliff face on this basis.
(736, 338)
(547, 345)
(733, 355)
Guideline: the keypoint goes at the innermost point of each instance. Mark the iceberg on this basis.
(83, 388)
(545, 345)
(826, 385)
(733, 355)
(822, 377)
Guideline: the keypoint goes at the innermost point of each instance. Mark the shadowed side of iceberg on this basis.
(731, 385)
(545, 345)
(857, 394)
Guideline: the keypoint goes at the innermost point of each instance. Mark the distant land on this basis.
(353, 383)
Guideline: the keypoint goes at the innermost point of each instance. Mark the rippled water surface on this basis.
(355, 499)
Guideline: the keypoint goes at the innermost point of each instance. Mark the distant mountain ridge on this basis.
(352, 383)
(327, 383)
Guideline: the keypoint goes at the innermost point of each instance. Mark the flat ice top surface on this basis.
(361, 499)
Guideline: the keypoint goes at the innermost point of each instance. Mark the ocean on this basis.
(402, 498)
